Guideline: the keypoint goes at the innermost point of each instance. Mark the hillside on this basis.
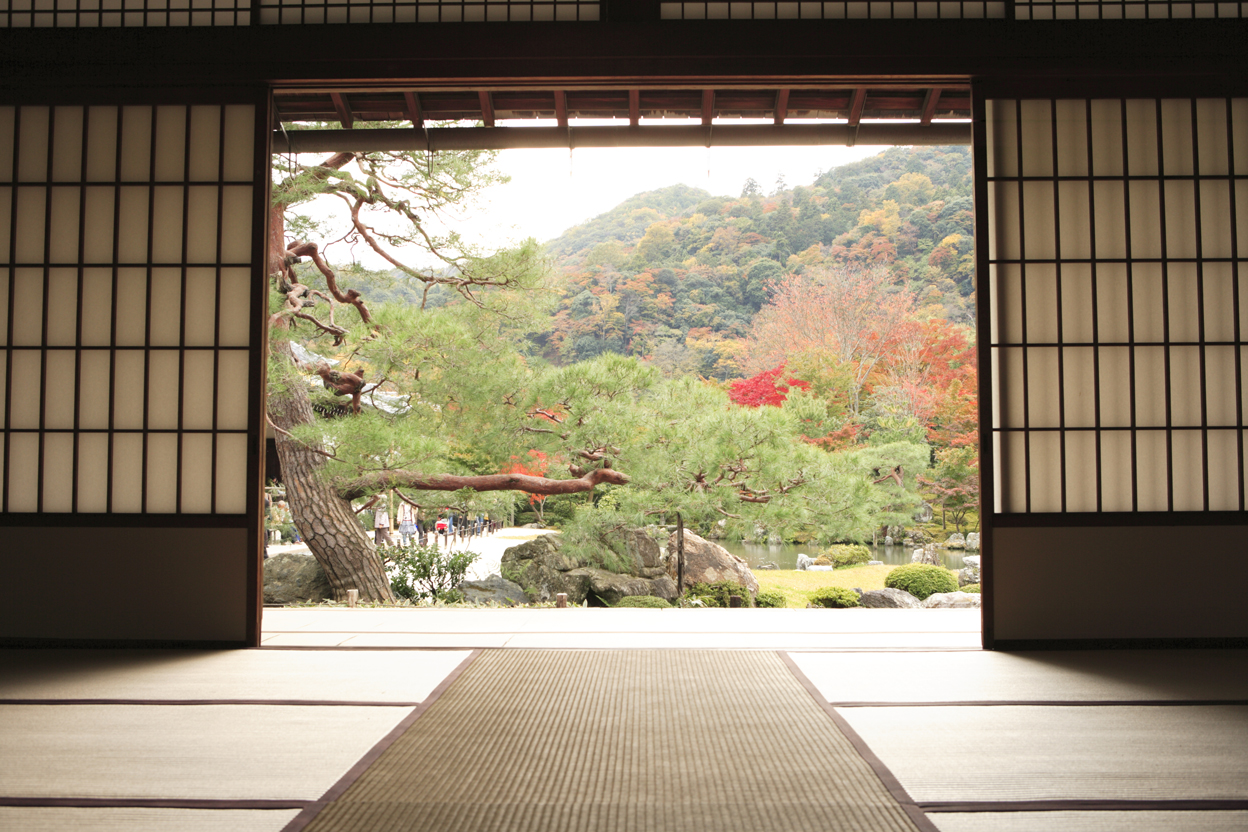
(678, 274)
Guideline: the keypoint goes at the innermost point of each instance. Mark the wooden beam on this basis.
(858, 99)
(634, 107)
(561, 107)
(929, 106)
(684, 135)
(342, 108)
(782, 106)
(413, 109)
(487, 108)
(708, 107)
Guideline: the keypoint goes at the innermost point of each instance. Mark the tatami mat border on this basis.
(1005, 806)
(890, 781)
(281, 702)
(1051, 703)
(311, 810)
(149, 803)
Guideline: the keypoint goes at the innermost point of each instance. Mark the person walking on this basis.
(407, 522)
(381, 527)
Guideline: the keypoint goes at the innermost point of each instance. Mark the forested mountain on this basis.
(678, 275)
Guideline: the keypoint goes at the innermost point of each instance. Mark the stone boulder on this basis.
(543, 571)
(971, 560)
(494, 589)
(292, 578)
(924, 513)
(707, 562)
(952, 600)
(611, 587)
(889, 599)
(955, 541)
(643, 549)
(804, 562)
(972, 541)
(968, 575)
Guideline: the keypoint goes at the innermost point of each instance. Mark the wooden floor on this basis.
(957, 739)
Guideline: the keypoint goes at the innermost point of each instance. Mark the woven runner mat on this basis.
(620, 741)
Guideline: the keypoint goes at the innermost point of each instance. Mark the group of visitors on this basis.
(449, 525)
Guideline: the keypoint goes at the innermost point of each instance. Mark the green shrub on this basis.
(972, 588)
(847, 554)
(824, 560)
(644, 601)
(717, 594)
(421, 573)
(835, 597)
(771, 598)
(922, 579)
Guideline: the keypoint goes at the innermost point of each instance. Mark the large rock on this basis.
(643, 549)
(889, 599)
(292, 578)
(972, 541)
(971, 560)
(543, 571)
(610, 587)
(952, 600)
(968, 575)
(493, 590)
(955, 541)
(804, 562)
(707, 562)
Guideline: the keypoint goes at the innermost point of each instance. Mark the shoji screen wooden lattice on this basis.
(126, 236)
(1120, 304)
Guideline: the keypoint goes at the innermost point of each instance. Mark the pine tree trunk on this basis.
(324, 519)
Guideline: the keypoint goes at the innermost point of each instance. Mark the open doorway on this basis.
(784, 367)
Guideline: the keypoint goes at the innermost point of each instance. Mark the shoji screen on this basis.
(1118, 303)
(128, 388)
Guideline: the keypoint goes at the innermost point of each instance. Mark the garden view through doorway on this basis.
(787, 368)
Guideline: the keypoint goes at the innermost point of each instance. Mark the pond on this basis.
(785, 555)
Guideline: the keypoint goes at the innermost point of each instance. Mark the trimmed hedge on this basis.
(835, 597)
(644, 601)
(847, 554)
(771, 598)
(717, 594)
(972, 588)
(922, 580)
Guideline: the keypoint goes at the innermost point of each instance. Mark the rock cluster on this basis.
(543, 571)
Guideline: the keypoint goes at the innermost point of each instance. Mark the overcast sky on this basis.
(553, 190)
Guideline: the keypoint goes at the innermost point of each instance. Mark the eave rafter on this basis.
(701, 104)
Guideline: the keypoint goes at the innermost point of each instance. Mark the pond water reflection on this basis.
(785, 555)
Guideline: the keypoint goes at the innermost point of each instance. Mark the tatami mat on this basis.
(284, 675)
(1139, 821)
(224, 752)
(1047, 752)
(619, 741)
(114, 819)
(1101, 675)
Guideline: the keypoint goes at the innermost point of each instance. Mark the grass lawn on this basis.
(798, 587)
